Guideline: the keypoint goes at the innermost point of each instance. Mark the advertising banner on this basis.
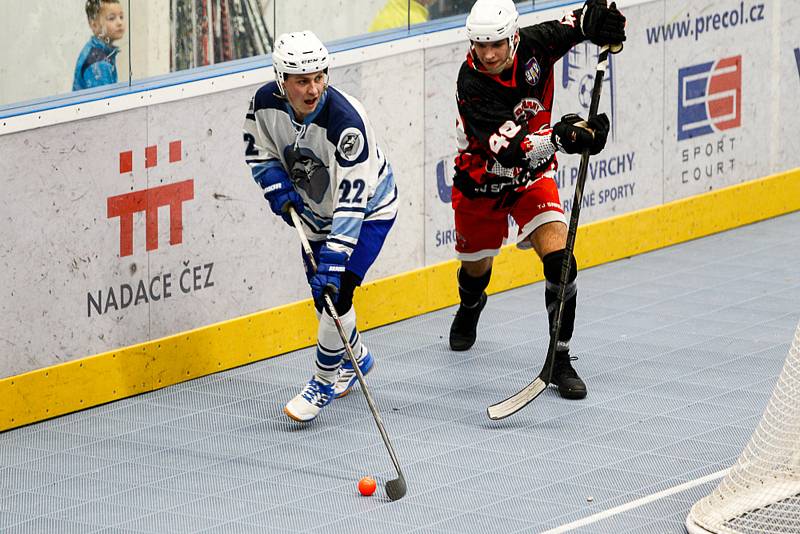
(716, 123)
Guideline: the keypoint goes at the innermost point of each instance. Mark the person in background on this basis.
(97, 62)
(400, 13)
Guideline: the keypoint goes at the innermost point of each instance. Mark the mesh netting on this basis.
(761, 492)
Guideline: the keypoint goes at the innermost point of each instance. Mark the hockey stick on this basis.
(522, 398)
(259, 26)
(395, 488)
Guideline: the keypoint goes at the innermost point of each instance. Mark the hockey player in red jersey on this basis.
(507, 156)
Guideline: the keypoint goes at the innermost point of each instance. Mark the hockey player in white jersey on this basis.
(312, 146)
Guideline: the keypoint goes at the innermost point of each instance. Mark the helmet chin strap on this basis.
(507, 63)
(279, 79)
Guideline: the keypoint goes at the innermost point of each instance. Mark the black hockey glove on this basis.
(600, 125)
(570, 136)
(573, 135)
(601, 24)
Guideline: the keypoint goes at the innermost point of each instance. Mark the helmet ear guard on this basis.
(298, 53)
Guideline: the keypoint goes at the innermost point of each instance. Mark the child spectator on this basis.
(97, 62)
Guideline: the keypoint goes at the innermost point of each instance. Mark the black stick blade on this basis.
(396, 488)
(517, 401)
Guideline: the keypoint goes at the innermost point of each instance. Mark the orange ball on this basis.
(366, 486)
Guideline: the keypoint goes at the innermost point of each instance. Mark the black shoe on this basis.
(464, 328)
(570, 385)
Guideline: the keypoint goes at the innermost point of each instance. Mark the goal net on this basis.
(760, 494)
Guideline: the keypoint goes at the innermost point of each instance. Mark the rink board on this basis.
(109, 376)
(139, 237)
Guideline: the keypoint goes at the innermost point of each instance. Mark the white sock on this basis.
(330, 349)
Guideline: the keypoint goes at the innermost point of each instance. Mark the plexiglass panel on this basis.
(208, 32)
(128, 41)
(41, 43)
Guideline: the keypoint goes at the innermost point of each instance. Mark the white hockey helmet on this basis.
(494, 20)
(298, 53)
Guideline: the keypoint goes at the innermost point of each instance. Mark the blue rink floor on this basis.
(680, 349)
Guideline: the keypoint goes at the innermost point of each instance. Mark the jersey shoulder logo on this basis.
(532, 71)
(351, 144)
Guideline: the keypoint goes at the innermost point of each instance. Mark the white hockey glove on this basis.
(538, 147)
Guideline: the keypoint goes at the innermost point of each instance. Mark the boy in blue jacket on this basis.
(97, 62)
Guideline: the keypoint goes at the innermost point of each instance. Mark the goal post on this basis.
(760, 494)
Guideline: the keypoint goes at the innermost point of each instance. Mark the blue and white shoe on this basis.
(347, 375)
(307, 405)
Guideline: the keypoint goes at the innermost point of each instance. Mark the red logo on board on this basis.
(149, 201)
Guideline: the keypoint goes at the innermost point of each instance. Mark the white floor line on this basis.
(637, 503)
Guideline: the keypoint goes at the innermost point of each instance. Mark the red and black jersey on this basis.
(497, 111)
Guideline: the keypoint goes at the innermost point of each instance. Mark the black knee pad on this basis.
(349, 282)
(552, 267)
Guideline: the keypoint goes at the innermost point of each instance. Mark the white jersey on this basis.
(332, 158)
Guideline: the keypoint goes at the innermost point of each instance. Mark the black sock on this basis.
(552, 272)
(470, 289)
